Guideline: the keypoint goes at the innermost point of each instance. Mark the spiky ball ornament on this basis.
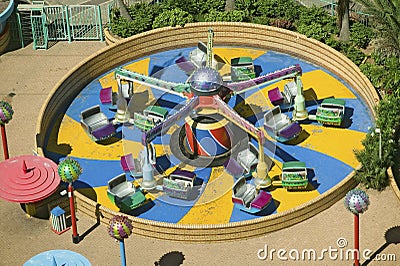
(6, 112)
(120, 227)
(356, 201)
(69, 170)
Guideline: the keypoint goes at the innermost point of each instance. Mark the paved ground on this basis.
(32, 74)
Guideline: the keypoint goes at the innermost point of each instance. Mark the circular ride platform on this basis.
(327, 151)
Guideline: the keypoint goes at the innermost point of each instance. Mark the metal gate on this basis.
(39, 29)
(62, 23)
(85, 22)
(57, 23)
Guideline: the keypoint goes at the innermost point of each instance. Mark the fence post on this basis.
(100, 24)
(68, 26)
(19, 25)
(45, 29)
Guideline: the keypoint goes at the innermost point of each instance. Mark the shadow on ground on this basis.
(99, 215)
(173, 258)
(392, 236)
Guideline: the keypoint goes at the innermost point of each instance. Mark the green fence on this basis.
(39, 29)
(56, 23)
(85, 22)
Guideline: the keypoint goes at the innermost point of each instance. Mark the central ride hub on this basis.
(205, 81)
(206, 130)
(207, 135)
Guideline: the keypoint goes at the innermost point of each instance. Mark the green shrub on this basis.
(233, 16)
(373, 171)
(372, 174)
(280, 9)
(354, 54)
(144, 11)
(374, 73)
(314, 30)
(316, 15)
(172, 18)
(360, 35)
(392, 76)
(198, 7)
(142, 15)
(336, 44)
(250, 7)
(263, 20)
(119, 25)
(383, 73)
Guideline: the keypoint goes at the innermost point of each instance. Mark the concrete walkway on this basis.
(31, 75)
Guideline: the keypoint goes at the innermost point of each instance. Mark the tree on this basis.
(385, 16)
(343, 20)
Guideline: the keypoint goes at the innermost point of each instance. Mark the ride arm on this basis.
(179, 89)
(243, 86)
(232, 116)
(159, 129)
(261, 179)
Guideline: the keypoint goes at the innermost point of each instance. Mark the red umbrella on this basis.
(28, 178)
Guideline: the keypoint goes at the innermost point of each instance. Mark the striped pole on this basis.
(356, 239)
(4, 140)
(122, 251)
(356, 201)
(75, 235)
(69, 170)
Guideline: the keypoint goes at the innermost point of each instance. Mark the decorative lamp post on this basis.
(120, 228)
(69, 170)
(356, 201)
(378, 130)
(6, 113)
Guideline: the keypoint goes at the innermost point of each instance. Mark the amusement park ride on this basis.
(208, 117)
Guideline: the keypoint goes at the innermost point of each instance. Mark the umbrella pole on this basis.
(75, 236)
(122, 251)
(356, 239)
(4, 138)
